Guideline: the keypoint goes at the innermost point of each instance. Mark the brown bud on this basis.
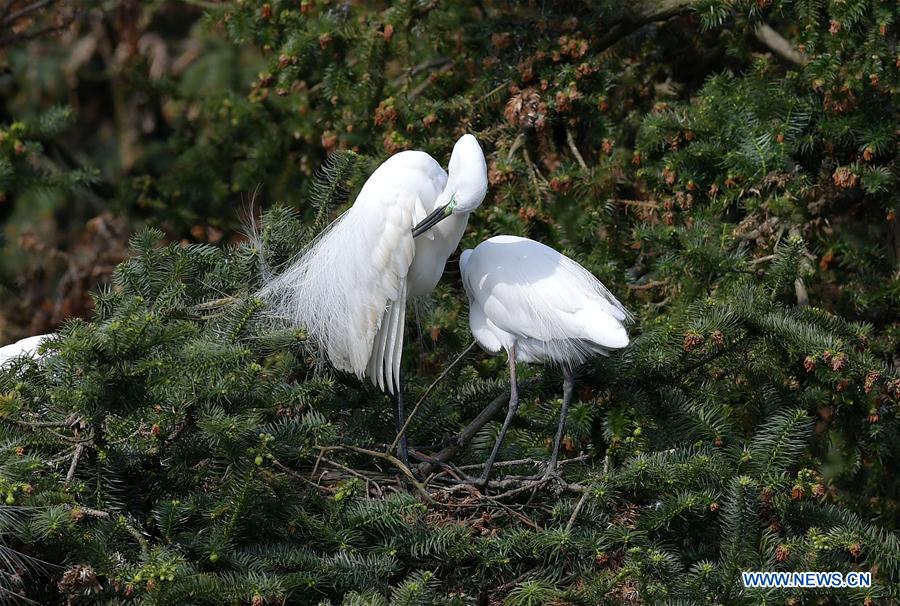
(871, 377)
(692, 341)
(809, 364)
(838, 361)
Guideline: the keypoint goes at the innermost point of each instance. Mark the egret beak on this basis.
(436, 216)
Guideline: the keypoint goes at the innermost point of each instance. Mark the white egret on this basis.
(25, 347)
(350, 286)
(539, 306)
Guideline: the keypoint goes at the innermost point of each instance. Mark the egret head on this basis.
(466, 184)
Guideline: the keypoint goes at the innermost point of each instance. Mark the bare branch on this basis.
(75, 458)
(9, 20)
(105, 515)
(468, 432)
(779, 45)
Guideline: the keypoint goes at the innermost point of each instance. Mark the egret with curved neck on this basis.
(349, 287)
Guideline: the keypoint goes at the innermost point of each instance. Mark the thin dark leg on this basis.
(568, 388)
(510, 413)
(399, 420)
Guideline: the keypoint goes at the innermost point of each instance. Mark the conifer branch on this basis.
(105, 515)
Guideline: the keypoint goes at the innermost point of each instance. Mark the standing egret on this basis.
(539, 306)
(25, 347)
(350, 286)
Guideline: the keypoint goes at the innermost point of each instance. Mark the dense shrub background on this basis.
(727, 167)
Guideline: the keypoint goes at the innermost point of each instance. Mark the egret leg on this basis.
(568, 388)
(399, 420)
(510, 413)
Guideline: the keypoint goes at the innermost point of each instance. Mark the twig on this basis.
(799, 286)
(759, 260)
(512, 511)
(493, 91)
(571, 141)
(577, 510)
(67, 423)
(301, 477)
(215, 303)
(535, 176)
(525, 462)
(520, 486)
(105, 515)
(424, 395)
(316, 466)
(472, 492)
(390, 459)
(415, 70)
(353, 473)
(60, 457)
(428, 81)
(6, 40)
(648, 285)
(25, 11)
(516, 144)
(75, 457)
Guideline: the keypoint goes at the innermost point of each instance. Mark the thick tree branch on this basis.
(635, 15)
(779, 45)
(465, 436)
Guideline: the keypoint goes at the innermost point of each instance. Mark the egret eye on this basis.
(450, 205)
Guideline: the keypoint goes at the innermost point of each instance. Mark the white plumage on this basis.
(25, 347)
(525, 293)
(539, 306)
(349, 288)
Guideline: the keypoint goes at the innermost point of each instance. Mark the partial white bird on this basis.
(25, 347)
(349, 288)
(539, 306)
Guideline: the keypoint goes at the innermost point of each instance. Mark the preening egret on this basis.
(25, 347)
(539, 306)
(350, 286)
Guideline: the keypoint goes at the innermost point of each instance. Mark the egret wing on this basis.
(25, 347)
(348, 288)
(532, 291)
